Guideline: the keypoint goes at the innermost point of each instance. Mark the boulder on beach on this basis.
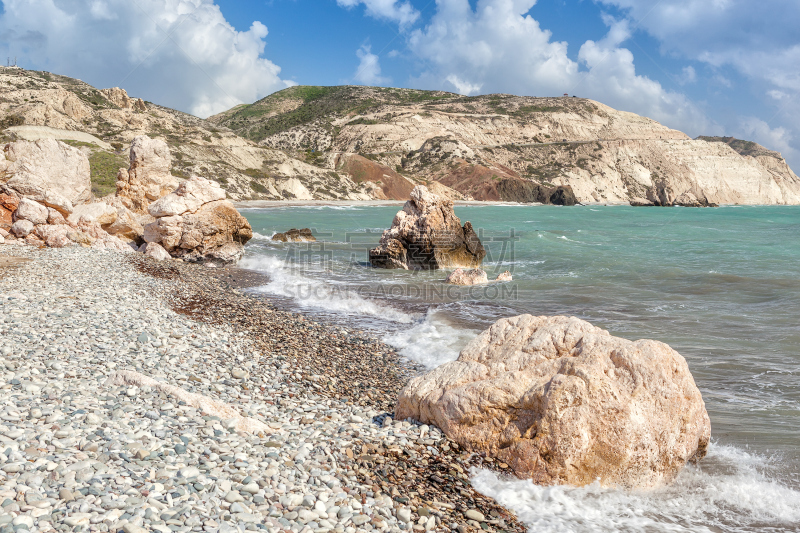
(426, 235)
(148, 178)
(47, 171)
(295, 235)
(564, 402)
(195, 224)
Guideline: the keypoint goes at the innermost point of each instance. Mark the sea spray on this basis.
(729, 491)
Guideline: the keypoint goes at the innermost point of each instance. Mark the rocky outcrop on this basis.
(517, 190)
(194, 224)
(295, 235)
(120, 98)
(425, 235)
(562, 401)
(47, 171)
(148, 177)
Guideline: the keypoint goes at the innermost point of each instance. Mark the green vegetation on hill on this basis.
(104, 168)
(301, 105)
(745, 148)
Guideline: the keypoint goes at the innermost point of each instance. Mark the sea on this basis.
(719, 285)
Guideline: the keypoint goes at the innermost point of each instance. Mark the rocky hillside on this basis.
(103, 122)
(494, 147)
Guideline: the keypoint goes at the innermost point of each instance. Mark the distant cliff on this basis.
(479, 147)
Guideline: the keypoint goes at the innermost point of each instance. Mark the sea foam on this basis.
(730, 491)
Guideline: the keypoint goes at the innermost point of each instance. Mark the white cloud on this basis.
(100, 10)
(369, 69)
(462, 86)
(758, 40)
(688, 75)
(179, 53)
(402, 13)
(497, 47)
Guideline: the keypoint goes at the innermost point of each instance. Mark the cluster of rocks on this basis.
(122, 414)
(475, 276)
(523, 191)
(46, 200)
(295, 235)
(664, 196)
(562, 401)
(41, 184)
(427, 235)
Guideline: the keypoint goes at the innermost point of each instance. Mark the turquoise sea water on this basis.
(721, 286)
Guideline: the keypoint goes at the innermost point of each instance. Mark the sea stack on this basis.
(427, 235)
(564, 402)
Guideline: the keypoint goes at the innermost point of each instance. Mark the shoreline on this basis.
(331, 458)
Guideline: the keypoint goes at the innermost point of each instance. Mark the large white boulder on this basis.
(562, 401)
(47, 171)
(33, 211)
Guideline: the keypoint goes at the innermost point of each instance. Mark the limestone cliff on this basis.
(474, 144)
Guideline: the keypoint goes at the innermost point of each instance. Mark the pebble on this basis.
(476, 515)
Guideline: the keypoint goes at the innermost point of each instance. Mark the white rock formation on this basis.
(33, 211)
(148, 177)
(207, 405)
(188, 197)
(47, 171)
(562, 401)
(197, 224)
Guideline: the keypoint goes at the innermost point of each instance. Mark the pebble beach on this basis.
(140, 395)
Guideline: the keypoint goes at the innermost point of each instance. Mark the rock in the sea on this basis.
(505, 276)
(33, 211)
(295, 235)
(426, 234)
(460, 276)
(148, 177)
(47, 171)
(524, 191)
(562, 401)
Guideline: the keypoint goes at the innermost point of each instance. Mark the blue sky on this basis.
(727, 67)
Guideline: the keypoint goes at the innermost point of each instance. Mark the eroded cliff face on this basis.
(473, 144)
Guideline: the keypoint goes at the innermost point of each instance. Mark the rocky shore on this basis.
(141, 395)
